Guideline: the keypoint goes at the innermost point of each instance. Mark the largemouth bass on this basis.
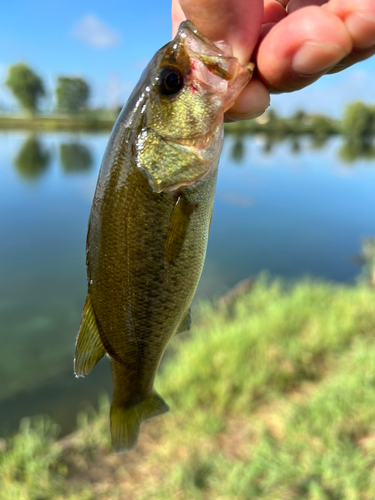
(150, 220)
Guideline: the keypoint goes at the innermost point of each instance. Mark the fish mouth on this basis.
(214, 66)
(187, 30)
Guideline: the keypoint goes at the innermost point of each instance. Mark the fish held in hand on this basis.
(150, 219)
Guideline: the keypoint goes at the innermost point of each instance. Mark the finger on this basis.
(178, 16)
(359, 19)
(237, 23)
(252, 102)
(352, 58)
(301, 48)
(274, 11)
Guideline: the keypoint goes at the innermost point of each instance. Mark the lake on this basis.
(292, 209)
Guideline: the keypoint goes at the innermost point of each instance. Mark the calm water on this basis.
(290, 213)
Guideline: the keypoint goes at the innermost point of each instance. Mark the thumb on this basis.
(236, 22)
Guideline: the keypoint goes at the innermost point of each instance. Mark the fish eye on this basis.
(170, 81)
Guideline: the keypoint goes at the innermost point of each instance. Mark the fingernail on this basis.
(315, 58)
(235, 117)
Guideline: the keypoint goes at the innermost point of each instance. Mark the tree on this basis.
(359, 121)
(72, 94)
(26, 86)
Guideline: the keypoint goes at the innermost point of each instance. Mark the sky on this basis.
(109, 44)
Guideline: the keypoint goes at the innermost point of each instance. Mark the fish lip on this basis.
(188, 28)
(212, 61)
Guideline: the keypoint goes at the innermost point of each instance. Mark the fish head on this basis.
(186, 89)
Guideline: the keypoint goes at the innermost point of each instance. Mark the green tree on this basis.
(72, 94)
(26, 86)
(321, 126)
(359, 121)
(297, 122)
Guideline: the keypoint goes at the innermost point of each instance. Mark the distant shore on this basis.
(55, 123)
(280, 126)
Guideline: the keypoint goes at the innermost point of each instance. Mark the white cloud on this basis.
(91, 30)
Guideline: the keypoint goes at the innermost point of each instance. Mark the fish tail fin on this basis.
(126, 421)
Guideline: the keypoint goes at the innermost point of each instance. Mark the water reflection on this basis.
(238, 150)
(318, 141)
(295, 144)
(32, 160)
(350, 151)
(293, 214)
(75, 157)
(353, 150)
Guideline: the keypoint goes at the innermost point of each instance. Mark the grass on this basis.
(272, 397)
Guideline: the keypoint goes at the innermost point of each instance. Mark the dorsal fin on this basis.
(89, 345)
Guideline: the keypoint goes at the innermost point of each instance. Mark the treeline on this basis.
(72, 93)
(358, 122)
(357, 126)
(72, 98)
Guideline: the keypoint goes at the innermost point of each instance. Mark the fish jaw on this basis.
(180, 135)
(215, 66)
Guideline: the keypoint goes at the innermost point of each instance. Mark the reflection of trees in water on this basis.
(271, 140)
(356, 149)
(75, 157)
(366, 259)
(318, 141)
(295, 144)
(32, 159)
(352, 149)
(238, 150)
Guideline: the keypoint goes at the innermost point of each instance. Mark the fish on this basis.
(150, 219)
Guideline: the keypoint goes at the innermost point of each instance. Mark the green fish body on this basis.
(150, 220)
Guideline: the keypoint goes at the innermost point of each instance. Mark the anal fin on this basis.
(89, 345)
(185, 324)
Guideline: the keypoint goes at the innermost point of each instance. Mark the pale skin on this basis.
(292, 42)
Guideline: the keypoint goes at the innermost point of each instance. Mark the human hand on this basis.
(294, 42)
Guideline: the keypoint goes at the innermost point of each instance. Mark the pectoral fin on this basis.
(185, 324)
(177, 227)
(89, 345)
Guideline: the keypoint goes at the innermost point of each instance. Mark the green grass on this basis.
(272, 397)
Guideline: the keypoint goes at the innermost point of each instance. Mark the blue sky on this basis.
(109, 43)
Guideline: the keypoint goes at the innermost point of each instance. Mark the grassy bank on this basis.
(272, 397)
